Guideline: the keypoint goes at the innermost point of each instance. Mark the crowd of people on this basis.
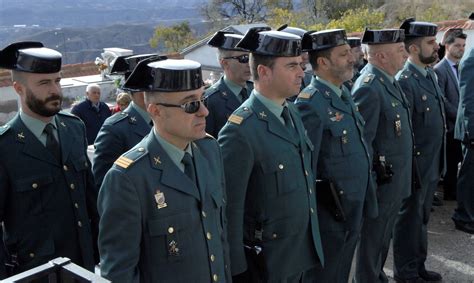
(275, 173)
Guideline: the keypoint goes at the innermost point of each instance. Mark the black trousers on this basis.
(453, 157)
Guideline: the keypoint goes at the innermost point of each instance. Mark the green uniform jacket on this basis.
(428, 119)
(270, 189)
(336, 130)
(387, 129)
(156, 225)
(221, 102)
(118, 134)
(48, 208)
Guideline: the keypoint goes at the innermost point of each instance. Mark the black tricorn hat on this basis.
(124, 65)
(140, 77)
(168, 75)
(30, 57)
(354, 41)
(418, 29)
(264, 41)
(119, 65)
(293, 30)
(225, 40)
(383, 36)
(324, 39)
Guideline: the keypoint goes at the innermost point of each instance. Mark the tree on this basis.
(358, 19)
(174, 38)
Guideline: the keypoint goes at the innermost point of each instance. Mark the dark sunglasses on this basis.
(243, 59)
(188, 107)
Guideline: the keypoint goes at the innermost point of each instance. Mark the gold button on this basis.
(34, 185)
(141, 149)
(341, 192)
(32, 255)
(79, 223)
(427, 109)
(208, 235)
(312, 210)
(76, 205)
(72, 186)
(281, 166)
(65, 168)
(274, 236)
(213, 258)
(85, 164)
(204, 214)
(418, 153)
(344, 132)
(310, 191)
(170, 230)
(398, 116)
(215, 278)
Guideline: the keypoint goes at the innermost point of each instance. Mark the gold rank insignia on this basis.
(123, 162)
(235, 119)
(424, 97)
(21, 136)
(160, 200)
(304, 95)
(367, 79)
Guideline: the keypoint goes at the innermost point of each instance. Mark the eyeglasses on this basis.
(188, 107)
(243, 59)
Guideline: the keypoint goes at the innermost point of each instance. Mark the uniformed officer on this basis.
(308, 72)
(389, 135)
(418, 82)
(273, 221)
(47, 195)
(122, 131)
(343, 164)
(233, 87)
(162, 204)
(464, 214)
(356, 49)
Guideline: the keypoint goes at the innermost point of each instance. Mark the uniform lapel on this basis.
(329, 94)
(391, 89)
(231, 101)
(423, 81)
(31, 145)
(171, 175)
(274, 125)
(67, 137)
(202, 168)
(141, 128)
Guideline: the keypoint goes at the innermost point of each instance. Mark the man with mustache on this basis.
(344, 183)
(47, 194)
(273, 221)
(388, 133)
(162, 204)
(418, 81)
(234, 87)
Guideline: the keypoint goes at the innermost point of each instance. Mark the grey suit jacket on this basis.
(450, 87)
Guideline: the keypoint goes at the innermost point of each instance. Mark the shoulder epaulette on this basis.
(67, 114)
(307, 92)
(240, 115)
(4, 129)
(118, 117)
(130, 157)
(368, 78)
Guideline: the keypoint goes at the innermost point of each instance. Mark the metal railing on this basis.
(58, 270)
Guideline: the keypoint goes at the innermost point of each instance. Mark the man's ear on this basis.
(19, 88)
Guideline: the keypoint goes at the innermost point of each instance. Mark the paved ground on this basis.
(451, 252)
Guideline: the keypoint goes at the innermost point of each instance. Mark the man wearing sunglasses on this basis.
(273, 221)
(234, 87)
(162, 204)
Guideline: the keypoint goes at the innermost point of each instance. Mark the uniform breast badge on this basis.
(160, 200)
(173, 249)
(337, 117)
(398, 127)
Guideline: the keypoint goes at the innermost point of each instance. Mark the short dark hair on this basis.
(412, 41)
(314, 55)
(452, 37)
(257, 59)
(18, 76)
